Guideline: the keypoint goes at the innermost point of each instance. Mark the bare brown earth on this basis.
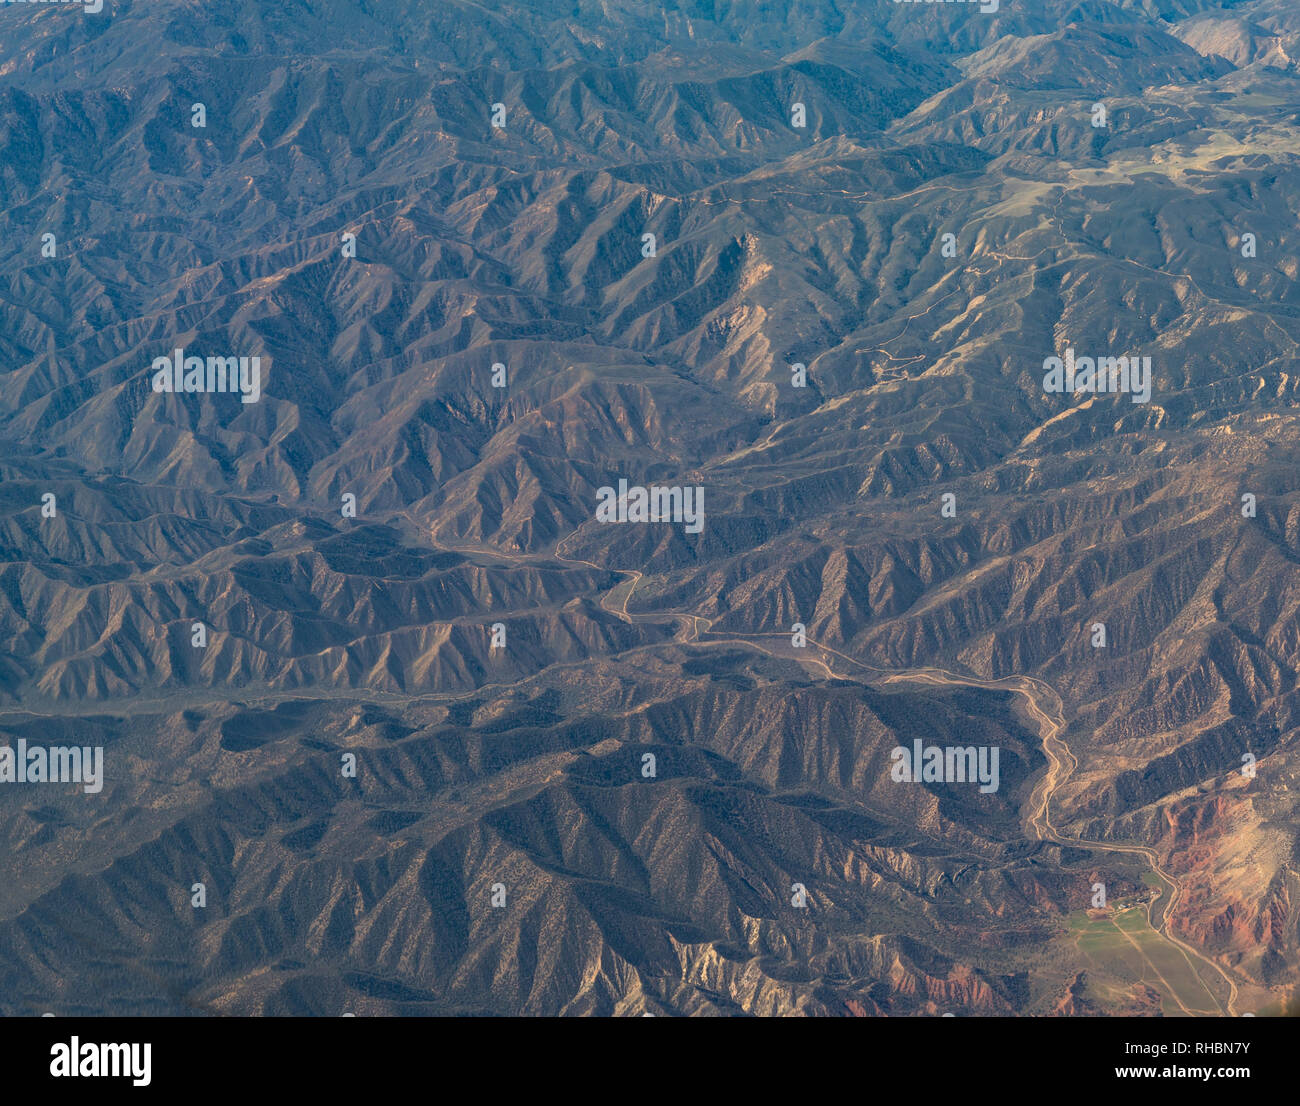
(522, 767)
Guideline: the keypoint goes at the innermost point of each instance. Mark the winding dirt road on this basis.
(1044, 707)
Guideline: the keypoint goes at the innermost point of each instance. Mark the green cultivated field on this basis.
(1122, 950)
